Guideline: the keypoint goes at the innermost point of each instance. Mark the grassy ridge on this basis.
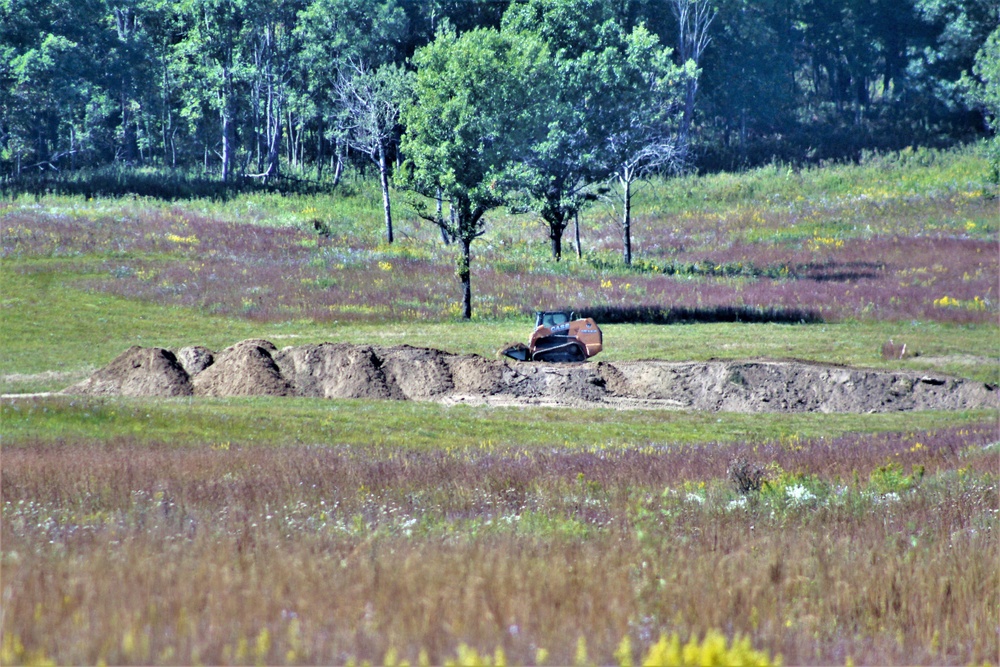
(354, 211)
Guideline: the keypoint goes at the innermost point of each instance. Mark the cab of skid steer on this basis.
(551, 318)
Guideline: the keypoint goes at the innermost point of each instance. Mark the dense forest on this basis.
(269, 87)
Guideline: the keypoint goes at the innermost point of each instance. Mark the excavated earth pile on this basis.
(258, 368)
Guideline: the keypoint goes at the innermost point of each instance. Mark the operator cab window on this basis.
(552, 319)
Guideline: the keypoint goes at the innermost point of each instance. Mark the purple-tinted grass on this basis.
(126, 552)
(337, 472)
(278, 274)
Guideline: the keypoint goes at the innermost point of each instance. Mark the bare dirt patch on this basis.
(328, 370)
(244, 369)
(336, 371)
(15, 378)
(138, 371)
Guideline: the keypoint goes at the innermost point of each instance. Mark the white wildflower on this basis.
(799, 494)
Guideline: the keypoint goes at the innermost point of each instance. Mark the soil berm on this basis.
(258, 368)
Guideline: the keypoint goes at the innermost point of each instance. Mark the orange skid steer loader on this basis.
(558, 337)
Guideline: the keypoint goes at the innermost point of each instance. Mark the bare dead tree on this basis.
(694, 17)
(370, 102)
(648, 155)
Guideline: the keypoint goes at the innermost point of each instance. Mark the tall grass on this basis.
(873, 548)
(921, 262)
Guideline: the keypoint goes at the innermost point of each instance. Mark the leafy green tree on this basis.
(125, 77)
(270, 46)
(569, 27)
(471, 112)
(958, 29)
(749, 75)
(56, 58)
(210, 68)
(331, 35)
(557, 173)
(610, 111)
(694, 18)
(51, 96)
(984, 88)
(983, 92)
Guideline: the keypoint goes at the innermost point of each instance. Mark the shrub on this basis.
(746, 477)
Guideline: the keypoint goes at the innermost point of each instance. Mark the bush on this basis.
(746, 477)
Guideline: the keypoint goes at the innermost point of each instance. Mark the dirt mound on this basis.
(420, 373)
(244, 369)
(478, 376)
(336, 371)
(195, 359)
(792, 386)
(138, 371)
(257, 368)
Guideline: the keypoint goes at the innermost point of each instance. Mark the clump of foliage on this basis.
(746, 477)
(983, 91)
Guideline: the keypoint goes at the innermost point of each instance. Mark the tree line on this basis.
(249, 87)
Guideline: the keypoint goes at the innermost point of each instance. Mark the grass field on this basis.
(307, 531)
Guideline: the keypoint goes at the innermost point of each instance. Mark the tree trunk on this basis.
(627, 219)
(555, 235)
(130, 143)
(224, 112)
(274, 148)
(576, 229)
(439, 217)
(338, 167)
(688, 116)
(300, 139)
(226, 148)
(383, 171)
(319, 153)
(291, 139)
(465, 276)
(167, 116)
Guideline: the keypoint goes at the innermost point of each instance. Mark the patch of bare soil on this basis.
(244, 369)
(257, 367)
(795, 386)
(34, 377)
(138, 371)
(195, 359)
(336, 371)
